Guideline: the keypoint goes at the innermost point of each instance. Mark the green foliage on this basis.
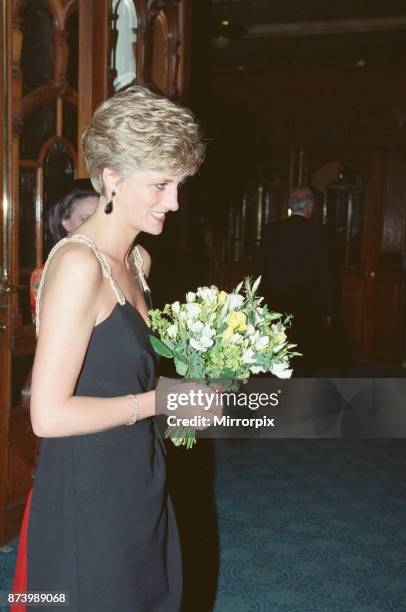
(160, 347)
(215, 335)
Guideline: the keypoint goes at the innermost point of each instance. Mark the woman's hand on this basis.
(185, 400)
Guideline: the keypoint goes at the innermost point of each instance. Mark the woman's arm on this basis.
(70, 305)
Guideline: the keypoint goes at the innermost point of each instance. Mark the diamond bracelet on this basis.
(136, 410)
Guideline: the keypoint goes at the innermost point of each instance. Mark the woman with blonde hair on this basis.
(101, 527)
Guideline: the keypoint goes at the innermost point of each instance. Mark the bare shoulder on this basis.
(146, 258)
(69, 299)
(75, 265)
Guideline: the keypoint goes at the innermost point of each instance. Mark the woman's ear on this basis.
(111, 181)
(66, 225)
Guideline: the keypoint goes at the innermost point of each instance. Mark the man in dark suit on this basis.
(295, 262)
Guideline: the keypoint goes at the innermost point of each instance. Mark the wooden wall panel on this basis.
(393, 229)
(334, 114)
(159, 61)
(390, 319)
(319, 105)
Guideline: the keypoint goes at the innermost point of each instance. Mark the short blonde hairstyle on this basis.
(139, 130)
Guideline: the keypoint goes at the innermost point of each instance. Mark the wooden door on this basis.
(371, 264)
(40, 41)
(60, 62)
(370, 269)
(388, 344)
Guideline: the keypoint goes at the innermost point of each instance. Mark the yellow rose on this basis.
(237, 321)
(222, 298)
(228, 333)
(281, 337)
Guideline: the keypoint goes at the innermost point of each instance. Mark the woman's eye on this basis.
(161, 186)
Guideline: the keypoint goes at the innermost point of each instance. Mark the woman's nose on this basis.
(172, 200)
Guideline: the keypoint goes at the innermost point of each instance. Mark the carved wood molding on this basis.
(42, 94)
(163, 14)
(159, 22)
(56, 139)
(70, 6)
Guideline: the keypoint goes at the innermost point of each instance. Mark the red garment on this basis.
(34, 284)
(20, 575)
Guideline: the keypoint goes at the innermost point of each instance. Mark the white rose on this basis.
(256, 369)
(190, 296)
(250, 330)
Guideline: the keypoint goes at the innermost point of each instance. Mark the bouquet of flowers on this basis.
(216, 335)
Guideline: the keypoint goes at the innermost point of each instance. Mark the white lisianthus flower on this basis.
(172, 331)
(196, 344)
(256, 369)
(248, 356)
(234, 301)
(206, 342)
(190, 296)
(176, 308)
(208, 331)
(192, 310)
(201, 345)
(207, 294)
(262, 343)
(195, 326)
(281, 370)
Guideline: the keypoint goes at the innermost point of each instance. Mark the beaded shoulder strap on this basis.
(139, 264)
(105, 266)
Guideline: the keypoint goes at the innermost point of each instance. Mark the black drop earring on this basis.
(109, 206)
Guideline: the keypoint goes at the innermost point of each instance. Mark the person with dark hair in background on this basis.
(70, 212)
(64, 217)
(295, 262)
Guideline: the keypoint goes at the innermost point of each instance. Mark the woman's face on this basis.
(82, 210)
(145, 197)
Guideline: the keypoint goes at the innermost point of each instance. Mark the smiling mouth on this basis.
(160, 216)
